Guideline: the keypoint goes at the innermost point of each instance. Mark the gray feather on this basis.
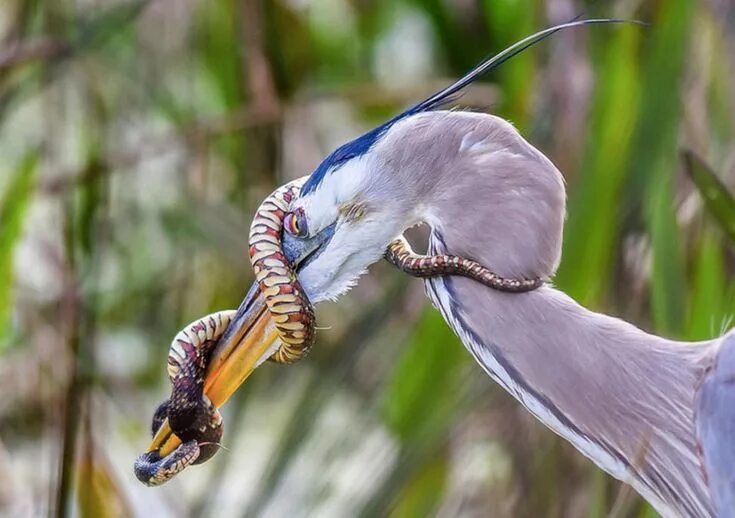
(716, 427)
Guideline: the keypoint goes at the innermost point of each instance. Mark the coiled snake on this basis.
(191, 415)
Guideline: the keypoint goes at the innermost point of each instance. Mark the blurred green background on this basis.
(137, 138)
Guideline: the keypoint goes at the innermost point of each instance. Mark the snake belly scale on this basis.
(289, 306)
(191, 415)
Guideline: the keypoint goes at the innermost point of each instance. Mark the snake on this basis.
(193, 418)
(290, 308)
(191, 415)
(400, 254)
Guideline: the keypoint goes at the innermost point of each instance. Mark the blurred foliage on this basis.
(415, 400)
(716, 197)
(136, 139)
(98, 493)
(13, 209)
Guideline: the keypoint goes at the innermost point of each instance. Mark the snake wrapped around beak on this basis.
(190, 414)
(287, 303)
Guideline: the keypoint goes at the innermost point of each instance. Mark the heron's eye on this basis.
(295, 223)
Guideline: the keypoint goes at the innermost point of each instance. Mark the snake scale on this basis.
(400, 254)
(190, 413)
(289, 306)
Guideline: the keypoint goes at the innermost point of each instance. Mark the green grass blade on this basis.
(507, 22)
(13, 210)
(668, 280)
(654, 159)
(718, 200)
(422, 493)
(708, 308)
(422, 390)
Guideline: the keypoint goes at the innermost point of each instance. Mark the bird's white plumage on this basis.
(356, 243)
(340, 185)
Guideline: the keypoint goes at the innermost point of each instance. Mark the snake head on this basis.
(201, 440)
(154, 470)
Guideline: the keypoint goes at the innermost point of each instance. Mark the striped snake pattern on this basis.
(291, 310)
(401, 255)
(191, 415)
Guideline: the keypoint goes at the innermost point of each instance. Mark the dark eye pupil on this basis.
(300, 223)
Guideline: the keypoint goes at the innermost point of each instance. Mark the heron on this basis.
(653, 412)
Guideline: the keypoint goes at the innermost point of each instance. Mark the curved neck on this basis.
(494, 197)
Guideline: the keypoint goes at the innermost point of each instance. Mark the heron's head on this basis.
(356, 201)
(345, 217)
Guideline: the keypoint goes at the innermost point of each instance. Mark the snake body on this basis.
(191, 415)
(290, 308)
(400, 254)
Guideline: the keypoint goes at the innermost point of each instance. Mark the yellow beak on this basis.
(249, 340)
